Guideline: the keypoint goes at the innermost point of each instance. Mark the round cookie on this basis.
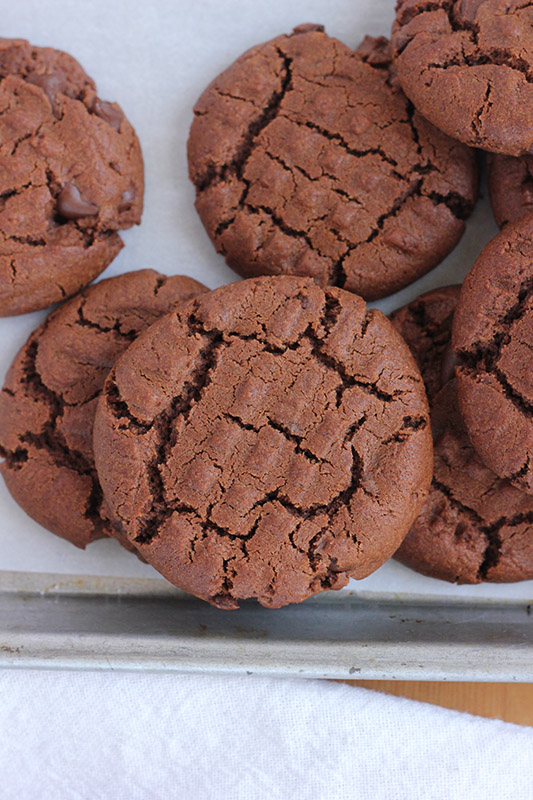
(510, 187)
(493, 338)
(308, 159)
(264, 441)
(473, 526)
(48, 401)
(71, 177)
(467, 65)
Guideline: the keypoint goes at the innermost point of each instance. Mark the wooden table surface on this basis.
(512, 702)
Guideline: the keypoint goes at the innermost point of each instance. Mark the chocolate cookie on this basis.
(265, 440)
(308, 159)
(48, 401)
(510, 187)
(493, 338)
(473, 526)
(467, 65)
(71, 176)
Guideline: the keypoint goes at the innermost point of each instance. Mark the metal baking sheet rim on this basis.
(75, 622)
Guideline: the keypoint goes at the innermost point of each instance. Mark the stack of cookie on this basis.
(273, 438)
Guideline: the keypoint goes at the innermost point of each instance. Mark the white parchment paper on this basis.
(155, 58)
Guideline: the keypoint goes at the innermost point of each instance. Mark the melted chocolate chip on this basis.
(71, 205)
(52, 83)
(108, 112)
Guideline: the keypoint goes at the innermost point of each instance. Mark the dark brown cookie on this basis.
(493, 338)
(71, 176)
(308, 159)
(467, 65)
(510, 187)
(473, 526)
(265, 440)
(48, 401)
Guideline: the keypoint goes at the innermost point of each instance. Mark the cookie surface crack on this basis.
(491, 531)
(179, 407)
(238, 162)
(483, 357)
(84, 322)
(50, 440)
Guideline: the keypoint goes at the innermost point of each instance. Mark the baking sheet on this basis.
(155, 58)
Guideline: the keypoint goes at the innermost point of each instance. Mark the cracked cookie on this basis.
(309, 160)
(71, 177)
(467, 65)
(493, 339)
(511, 187)
(48, 401)
(264, 441)
(473, 526)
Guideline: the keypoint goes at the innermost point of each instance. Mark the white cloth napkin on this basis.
(118, 736)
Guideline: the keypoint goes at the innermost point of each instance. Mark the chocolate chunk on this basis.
(71, 205)
(108, 112)
(52, 83)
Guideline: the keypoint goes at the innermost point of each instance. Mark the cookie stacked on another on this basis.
(474, 526)
(49, 397)
(271, 439)
(467, 65)
(493, 339)
(266, 440)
